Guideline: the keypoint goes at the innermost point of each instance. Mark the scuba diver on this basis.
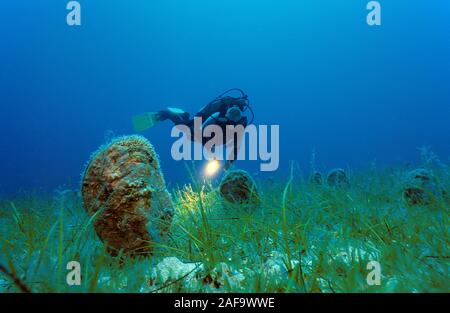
(223, 111)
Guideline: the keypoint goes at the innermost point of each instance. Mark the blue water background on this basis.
(354, 94)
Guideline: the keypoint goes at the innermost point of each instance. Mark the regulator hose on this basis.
(242, 97)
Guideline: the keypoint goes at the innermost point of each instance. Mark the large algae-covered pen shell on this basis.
(338, 178)
(238, 187)
(123, 181)
(421, 187)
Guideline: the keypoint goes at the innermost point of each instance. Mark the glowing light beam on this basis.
(212, 168)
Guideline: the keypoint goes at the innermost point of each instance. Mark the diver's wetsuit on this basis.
(212, 114)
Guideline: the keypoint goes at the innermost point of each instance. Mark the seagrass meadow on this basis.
(302, 238)
(121, 122)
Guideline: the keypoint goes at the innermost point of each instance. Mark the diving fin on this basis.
(145, 121)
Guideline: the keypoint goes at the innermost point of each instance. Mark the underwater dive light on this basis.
(212, 168)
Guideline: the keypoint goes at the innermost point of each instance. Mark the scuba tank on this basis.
(232, 111)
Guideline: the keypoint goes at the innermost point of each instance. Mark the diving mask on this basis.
(234, 114)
